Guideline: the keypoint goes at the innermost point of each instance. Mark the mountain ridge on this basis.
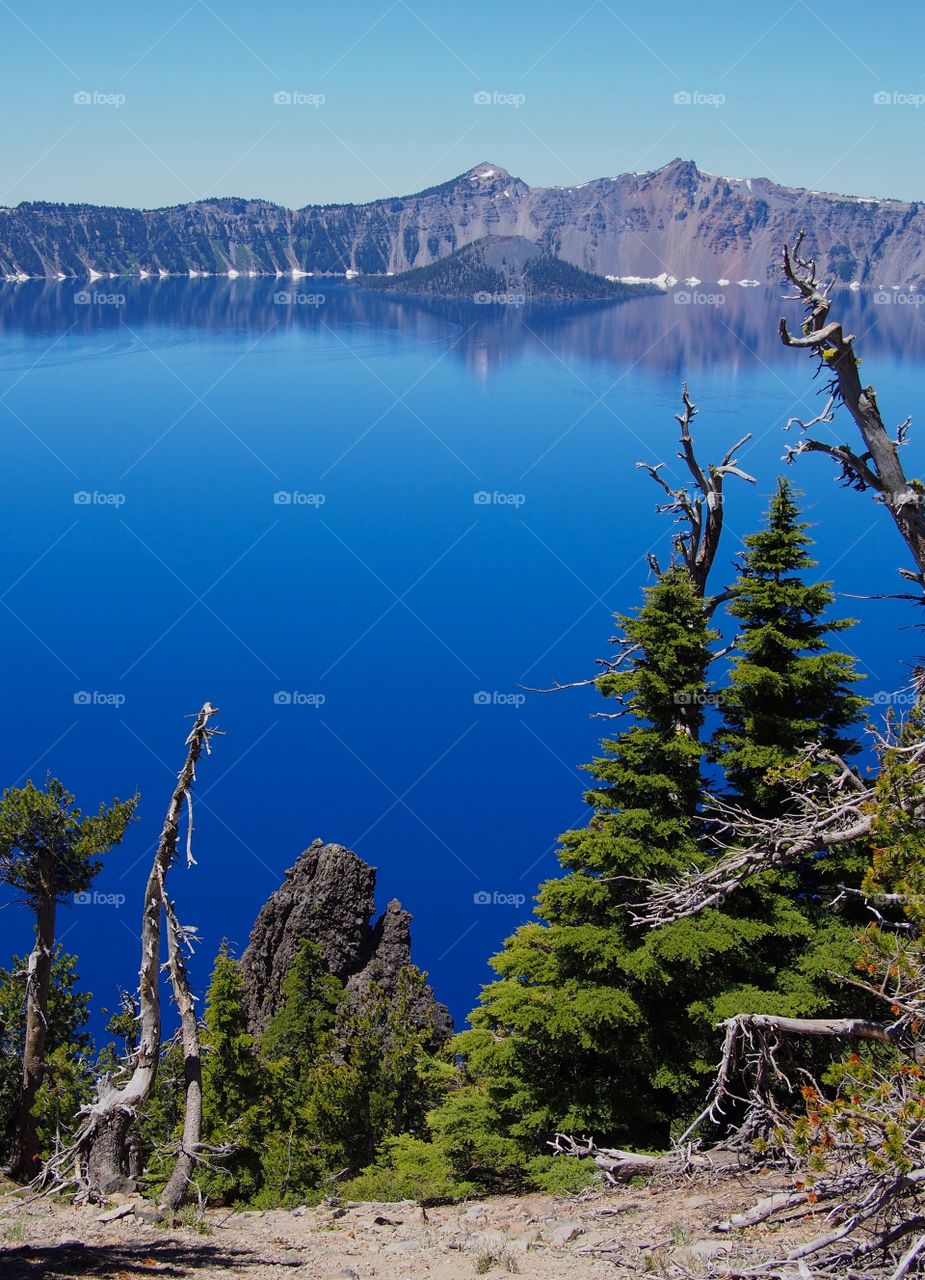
(677, 220)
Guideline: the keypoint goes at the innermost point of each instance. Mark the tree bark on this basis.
(825, 1028)
(25, 1152)
(173, 1194)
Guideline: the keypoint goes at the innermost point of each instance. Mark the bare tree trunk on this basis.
(702, 509)
(25, 1153)
(175, 1190)
(102, 1141)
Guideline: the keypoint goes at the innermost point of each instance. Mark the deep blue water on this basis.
(398, 599)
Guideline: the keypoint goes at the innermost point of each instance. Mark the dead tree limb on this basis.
(101, 1142)
(609, 666)
(621, 1166)
(701, 509)
(878, 468)
(828, 810)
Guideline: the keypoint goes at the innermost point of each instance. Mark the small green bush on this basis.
(408, 1169)
(560, 1175)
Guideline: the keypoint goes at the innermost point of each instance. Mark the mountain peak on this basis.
(487, 172)
(679, 165)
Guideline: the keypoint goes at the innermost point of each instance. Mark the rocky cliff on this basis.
(328, 896)
(676, 220)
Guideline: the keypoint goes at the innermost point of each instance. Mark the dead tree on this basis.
(190, 1142)
(878, 467)
(620, 1166)
(99, 1153)
(700, 510)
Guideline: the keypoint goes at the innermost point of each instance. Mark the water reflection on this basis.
(680, 333)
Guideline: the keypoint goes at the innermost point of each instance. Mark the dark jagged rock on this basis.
(328, 896)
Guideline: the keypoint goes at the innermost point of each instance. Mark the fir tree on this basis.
(67, 1084)
(592, 1014)
(295, 1048)
(233, 1085)
(48, 849)
(787, 688)
(581, 1024)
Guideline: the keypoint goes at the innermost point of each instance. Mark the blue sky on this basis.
(182, 95)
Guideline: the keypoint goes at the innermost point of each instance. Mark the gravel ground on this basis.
(603, 1234)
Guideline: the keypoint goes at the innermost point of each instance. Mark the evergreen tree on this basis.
(67, 1082)
(787, 688)
(47, 849)
(581, 1024)
(296, 1047)
(590, 1014)
(233, 1086)
(303, 1026)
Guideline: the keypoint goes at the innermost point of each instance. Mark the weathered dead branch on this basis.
(828, 805)
(878, 467)
(701, 509)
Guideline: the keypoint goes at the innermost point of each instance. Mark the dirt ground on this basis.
(602, 1235)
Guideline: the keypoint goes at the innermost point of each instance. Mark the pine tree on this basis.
(787, 689)
(346, 1071)
(233, 1086)
(592, 1014)
(581, 1024)
(47, 849)
(302, 1027)
(296, 1047)
(68, 1082)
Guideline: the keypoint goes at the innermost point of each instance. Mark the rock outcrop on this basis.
(328, 896)
(676, 221)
